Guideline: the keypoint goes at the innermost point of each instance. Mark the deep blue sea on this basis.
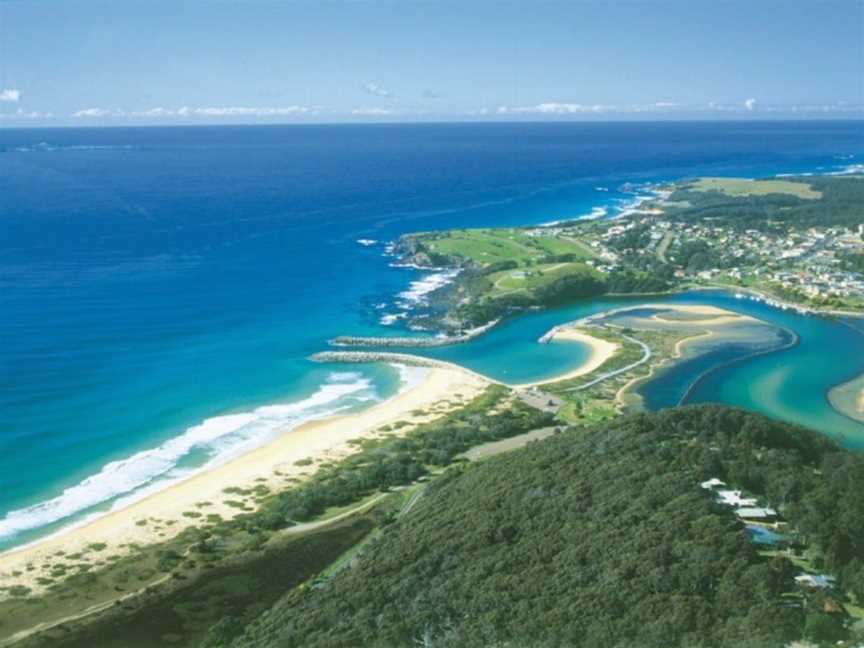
(161, 288)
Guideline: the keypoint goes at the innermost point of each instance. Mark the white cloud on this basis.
(11, 95)
(156, 112)
(376, 90)
(91, 113)
(22, 115)
(373, 112)
(242, 111)
(555, 108)
(750, 104)
(160, 112)
(665, 104)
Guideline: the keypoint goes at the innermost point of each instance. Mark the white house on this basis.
(733, 498)
(756, 513)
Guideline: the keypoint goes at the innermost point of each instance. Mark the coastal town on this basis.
(811, 265)
(808, 263)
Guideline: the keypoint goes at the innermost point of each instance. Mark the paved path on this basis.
(646, 355)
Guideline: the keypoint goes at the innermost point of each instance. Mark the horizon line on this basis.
(433, 122)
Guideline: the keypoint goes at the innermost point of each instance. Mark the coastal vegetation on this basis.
(380, 467)
(494, 250)
(770, 205)
(797, 239)
(610, 389)
(602, 536)
(509, 270)
(594, 536)
(745, 187)
(208, 596)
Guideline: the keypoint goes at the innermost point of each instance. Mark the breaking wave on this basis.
(216, 439)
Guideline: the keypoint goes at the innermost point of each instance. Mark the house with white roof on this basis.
(733, 498)
(816, 580)
(756, 514)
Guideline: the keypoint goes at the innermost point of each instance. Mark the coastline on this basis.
(286, 459)
(629, 388)
(712, 316)
(848, 398)
(599, 351)
(772, 300)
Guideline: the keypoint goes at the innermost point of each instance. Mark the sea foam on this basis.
(218, 438)
(410, 376)
(419, 290)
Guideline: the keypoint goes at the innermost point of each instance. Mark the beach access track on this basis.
(646, 356)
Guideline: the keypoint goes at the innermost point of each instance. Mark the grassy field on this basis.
(507, 282)
(483, 247)
(744, 187)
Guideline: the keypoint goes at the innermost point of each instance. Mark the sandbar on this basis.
(848, 398)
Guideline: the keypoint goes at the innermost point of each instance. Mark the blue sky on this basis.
(247, 61)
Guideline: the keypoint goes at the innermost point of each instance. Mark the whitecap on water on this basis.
(218, 439)
(410, 376)
(419, 290)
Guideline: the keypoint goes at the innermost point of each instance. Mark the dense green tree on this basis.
(598, 537)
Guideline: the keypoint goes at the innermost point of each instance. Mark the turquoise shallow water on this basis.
(790, 384)
(162, 288)
(793, 384)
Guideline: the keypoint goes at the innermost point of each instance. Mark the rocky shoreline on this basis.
(394, 358)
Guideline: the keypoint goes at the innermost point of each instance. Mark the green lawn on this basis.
(487, 246)
(744, 187)
(530, 278)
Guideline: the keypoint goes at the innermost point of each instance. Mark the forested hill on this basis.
(600, 538)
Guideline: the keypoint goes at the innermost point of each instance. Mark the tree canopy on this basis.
(597, 537)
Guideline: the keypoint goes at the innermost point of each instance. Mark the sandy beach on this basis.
(678, 352)
(699, 315)
(600, 351)
(275, 465)
(848, 398)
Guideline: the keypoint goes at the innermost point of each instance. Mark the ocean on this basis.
(161, 288)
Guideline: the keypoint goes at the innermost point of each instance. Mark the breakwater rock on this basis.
(359, 341)
(416, 342)
(393, 358)
(377, 356)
